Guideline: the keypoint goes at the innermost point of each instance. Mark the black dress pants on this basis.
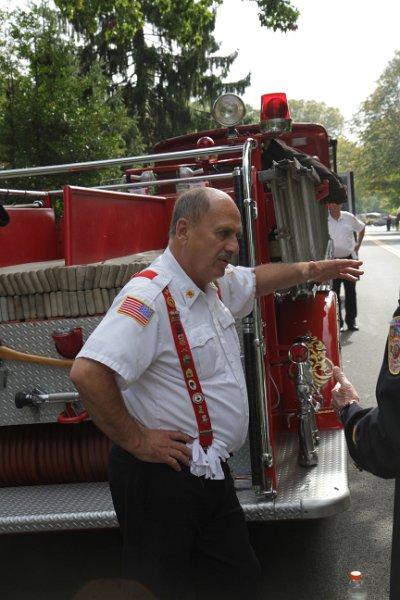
(350, 300)
(395, 559)
(183, 536)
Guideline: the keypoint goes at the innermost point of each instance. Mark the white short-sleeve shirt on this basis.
(341, 231)
(145, 359)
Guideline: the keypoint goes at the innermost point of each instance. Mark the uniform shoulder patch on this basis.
(394, 346)
(136, 309)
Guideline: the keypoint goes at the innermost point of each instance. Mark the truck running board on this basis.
(302, 492)
(311, 493)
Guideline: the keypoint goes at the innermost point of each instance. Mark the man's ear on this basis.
(182, 229)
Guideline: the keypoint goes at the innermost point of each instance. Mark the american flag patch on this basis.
(136, 309)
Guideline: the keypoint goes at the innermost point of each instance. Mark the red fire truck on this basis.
(59, 276)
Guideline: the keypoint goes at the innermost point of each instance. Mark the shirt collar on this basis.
(189, 290)
(333, 218)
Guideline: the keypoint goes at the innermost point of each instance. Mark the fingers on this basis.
(353, 271)
(180, 436)
(349, 269)
(187, 452)
(354, 275)
(173, 463)
(348, 262)
(177, 456)
(337, 371)
(180, 456)
(331, 269)
(175, 450)
(340, 377)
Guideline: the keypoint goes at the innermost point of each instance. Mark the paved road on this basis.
(301, 560)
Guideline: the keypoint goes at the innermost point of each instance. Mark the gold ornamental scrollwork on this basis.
(321, 365)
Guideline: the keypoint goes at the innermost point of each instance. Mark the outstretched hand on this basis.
(163, 446)
(344, 392)
(338, 268)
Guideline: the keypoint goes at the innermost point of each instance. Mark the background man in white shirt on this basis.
(167, 346)
(347, 233)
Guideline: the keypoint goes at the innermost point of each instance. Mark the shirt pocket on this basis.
(228, 325)
(203, 345)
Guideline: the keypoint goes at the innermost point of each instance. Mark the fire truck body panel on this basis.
(53, 461)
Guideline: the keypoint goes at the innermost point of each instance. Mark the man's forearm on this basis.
(360, 237)
(277, 276)
(103, 401)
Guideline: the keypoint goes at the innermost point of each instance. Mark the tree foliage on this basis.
(95, 79)
(349, 155)
(51, 112)
(378, 125)
(278, 14)
(163, 54)
(310, 111)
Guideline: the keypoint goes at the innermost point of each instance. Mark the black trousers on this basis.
(395, 559)
(183, 536)
(350, 300)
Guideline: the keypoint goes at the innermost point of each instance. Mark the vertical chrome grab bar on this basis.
(249, 206)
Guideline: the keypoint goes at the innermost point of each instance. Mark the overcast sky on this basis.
(336, 56)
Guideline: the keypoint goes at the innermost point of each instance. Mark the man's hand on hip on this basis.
(162, 446)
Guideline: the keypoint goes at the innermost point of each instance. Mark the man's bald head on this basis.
(194, 204)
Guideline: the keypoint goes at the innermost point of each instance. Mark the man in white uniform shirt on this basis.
(160, 375)
(343, 227)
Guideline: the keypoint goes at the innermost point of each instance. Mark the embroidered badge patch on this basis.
(138, 310)
(394, 346)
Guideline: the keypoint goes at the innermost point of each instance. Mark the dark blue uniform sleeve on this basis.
(373, 435)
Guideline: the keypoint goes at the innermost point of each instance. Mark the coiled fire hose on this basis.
(51, 453)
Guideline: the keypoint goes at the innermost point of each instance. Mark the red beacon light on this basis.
(205, 142)
(298, 352)
(275, 114)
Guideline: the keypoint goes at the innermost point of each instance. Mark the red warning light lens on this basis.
(274, 106)
(298, 353)
(355, 575)
(205, 142)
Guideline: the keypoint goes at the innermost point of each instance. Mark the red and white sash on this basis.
(207, 452)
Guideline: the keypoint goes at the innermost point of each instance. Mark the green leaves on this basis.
(310, 111)
(278, 14)
(103, 78)
(163, 55)
(51, 111)
(378, 124)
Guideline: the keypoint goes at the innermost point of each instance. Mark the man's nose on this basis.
(232, 245)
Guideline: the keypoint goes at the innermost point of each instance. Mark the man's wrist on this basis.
(346, 406)
(310, 271)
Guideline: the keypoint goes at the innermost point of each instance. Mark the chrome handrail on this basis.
(144, 184)
(122, 186)
(113, 162)
(154, 182)
(266, 446)
(26, 193)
